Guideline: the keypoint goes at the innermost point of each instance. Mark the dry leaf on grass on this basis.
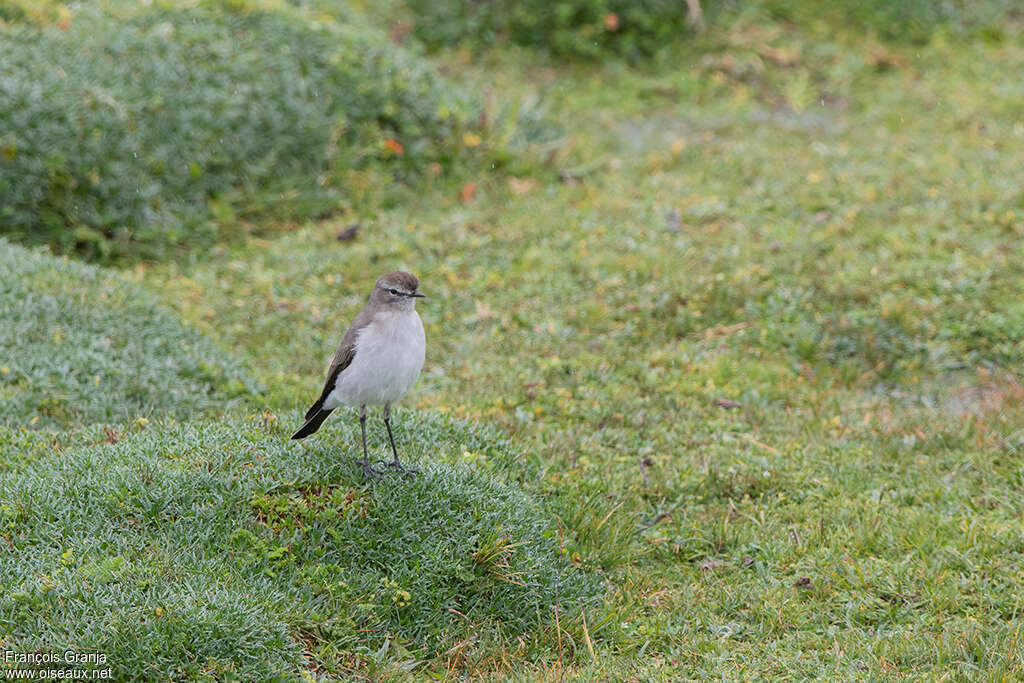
(521, 186)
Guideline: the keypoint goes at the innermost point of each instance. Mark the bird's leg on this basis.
(395, 463)
(368, 470)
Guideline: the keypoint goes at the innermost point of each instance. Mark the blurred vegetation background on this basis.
(139, 129)
(724, 325)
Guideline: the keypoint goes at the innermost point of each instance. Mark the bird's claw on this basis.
(369, 472)
(399, 467)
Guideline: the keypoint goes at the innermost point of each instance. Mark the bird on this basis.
(378, 360)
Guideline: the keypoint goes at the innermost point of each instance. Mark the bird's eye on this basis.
(393, 292)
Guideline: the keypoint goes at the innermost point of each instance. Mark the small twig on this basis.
(870, 371)
(455, 653)
(694, 14)
(610, 512)
(459, 646)
(558, 581)
(747, 437)
(657, 518)
(586, 634)
(457, 612)
(723, 330)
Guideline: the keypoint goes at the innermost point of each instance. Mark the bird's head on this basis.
(396, 290)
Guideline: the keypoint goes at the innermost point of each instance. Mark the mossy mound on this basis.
(130, 131)
(237, 550)
(81, 345)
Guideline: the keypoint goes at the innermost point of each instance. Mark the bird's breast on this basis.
(389, 355)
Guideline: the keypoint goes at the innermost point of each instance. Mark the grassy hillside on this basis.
(145, 131)
(212, 550)
(81, 345)
(724, 382)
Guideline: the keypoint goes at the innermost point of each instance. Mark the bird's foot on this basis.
(369, 471)
(399, 467)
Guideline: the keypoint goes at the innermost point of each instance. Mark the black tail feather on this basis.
(313, 410)
(313, 422)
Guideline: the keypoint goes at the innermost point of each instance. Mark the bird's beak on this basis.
(418, 295)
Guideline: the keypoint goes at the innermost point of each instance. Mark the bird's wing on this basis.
(342, 359)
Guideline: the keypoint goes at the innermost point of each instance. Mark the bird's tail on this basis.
(313, 423)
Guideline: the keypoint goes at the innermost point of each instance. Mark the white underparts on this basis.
(388, 357)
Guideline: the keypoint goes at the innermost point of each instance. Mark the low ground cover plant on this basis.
(736, 373)
(81, 345)
(597, 29)
(218, 549)
(139, 131)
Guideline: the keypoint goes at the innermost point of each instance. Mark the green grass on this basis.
(81, 345)
(745, 344)
(589, 29)
(135, 132)
(599, 29)
(810, 224)
(191, 550)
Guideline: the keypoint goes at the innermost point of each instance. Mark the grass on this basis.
(81, 346)
(753, 307)
(185, 551)
(134, 132)
(596, 29)
(753, 325)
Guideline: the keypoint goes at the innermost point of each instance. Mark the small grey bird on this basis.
(377, 362)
